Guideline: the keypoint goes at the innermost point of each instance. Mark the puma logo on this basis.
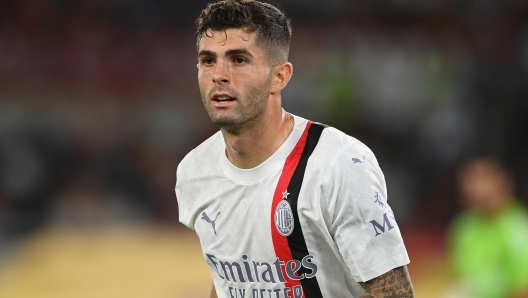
(356, 160)
(212, 222)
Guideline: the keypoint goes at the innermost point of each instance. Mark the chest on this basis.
(235, 220)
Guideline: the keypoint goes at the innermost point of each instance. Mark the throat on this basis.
(245, 154)
(250, 149)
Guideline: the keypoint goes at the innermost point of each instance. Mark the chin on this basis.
(224, 122)
(233, 121)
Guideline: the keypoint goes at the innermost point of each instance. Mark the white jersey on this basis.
(310, 221)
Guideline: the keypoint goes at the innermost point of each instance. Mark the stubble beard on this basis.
(249, 112)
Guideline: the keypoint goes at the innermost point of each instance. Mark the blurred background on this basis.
(99, 102)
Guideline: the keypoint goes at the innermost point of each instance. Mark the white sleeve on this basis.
(363, 225)
(183, 197)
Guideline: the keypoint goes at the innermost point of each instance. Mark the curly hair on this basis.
(272, 27)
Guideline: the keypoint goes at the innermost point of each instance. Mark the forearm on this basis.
(213, 292)
(395, 283)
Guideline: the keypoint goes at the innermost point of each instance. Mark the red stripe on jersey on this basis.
(280, 243)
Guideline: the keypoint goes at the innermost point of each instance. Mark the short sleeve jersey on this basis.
(310, 221)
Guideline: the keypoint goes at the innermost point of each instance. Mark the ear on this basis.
(282, 74)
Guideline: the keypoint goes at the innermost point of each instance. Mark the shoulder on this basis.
(336, 147)
(463, 222)
(514, 219)
(205, 155)
(345, 167)
(193, 172)
(340, 139)
(518, 210)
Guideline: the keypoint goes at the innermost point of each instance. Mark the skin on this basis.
(485, 186)
(255, 125)
(395, 283)
(213, 292)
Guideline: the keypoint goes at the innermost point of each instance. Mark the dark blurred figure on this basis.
(489, 239)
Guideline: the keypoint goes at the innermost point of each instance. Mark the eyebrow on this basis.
(238, 52)
(206, 53)
(228, 53)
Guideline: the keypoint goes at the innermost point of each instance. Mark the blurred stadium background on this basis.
(99, 102)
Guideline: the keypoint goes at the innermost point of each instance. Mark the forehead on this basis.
(230, 38)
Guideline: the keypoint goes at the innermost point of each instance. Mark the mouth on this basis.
(223, 98)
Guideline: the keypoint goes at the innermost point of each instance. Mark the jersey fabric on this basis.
(310, 221)
(490, 254)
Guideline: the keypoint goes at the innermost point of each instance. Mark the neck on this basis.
(249, 148)
(495, 205)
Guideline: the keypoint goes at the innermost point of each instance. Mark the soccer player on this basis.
(489, 239)
(283, 206)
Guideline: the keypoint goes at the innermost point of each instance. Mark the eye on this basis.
(207, 61)
(239, 60)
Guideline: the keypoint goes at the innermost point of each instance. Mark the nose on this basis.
(221, 74)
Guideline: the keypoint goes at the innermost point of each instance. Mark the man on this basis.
(283, 207)
(489, 239)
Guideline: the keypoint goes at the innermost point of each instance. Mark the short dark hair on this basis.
(272, 27)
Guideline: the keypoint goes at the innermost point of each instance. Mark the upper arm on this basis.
(394, 283)
(363, 225)
(183, 196)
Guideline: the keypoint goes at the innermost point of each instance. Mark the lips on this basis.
(220, 98)
(223, 98)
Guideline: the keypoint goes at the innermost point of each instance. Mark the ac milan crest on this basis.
(284, 218)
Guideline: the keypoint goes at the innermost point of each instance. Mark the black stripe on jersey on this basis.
(296, 240)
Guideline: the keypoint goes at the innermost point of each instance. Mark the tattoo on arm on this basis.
(394, 284)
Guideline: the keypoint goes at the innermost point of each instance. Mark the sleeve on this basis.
(363, 224)
(183, 197)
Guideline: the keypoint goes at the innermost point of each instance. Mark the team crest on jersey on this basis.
(284, 218)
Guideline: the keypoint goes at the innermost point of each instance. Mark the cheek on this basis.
(249, 77)
(202, 77)
(202, 82)
(200, 73)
